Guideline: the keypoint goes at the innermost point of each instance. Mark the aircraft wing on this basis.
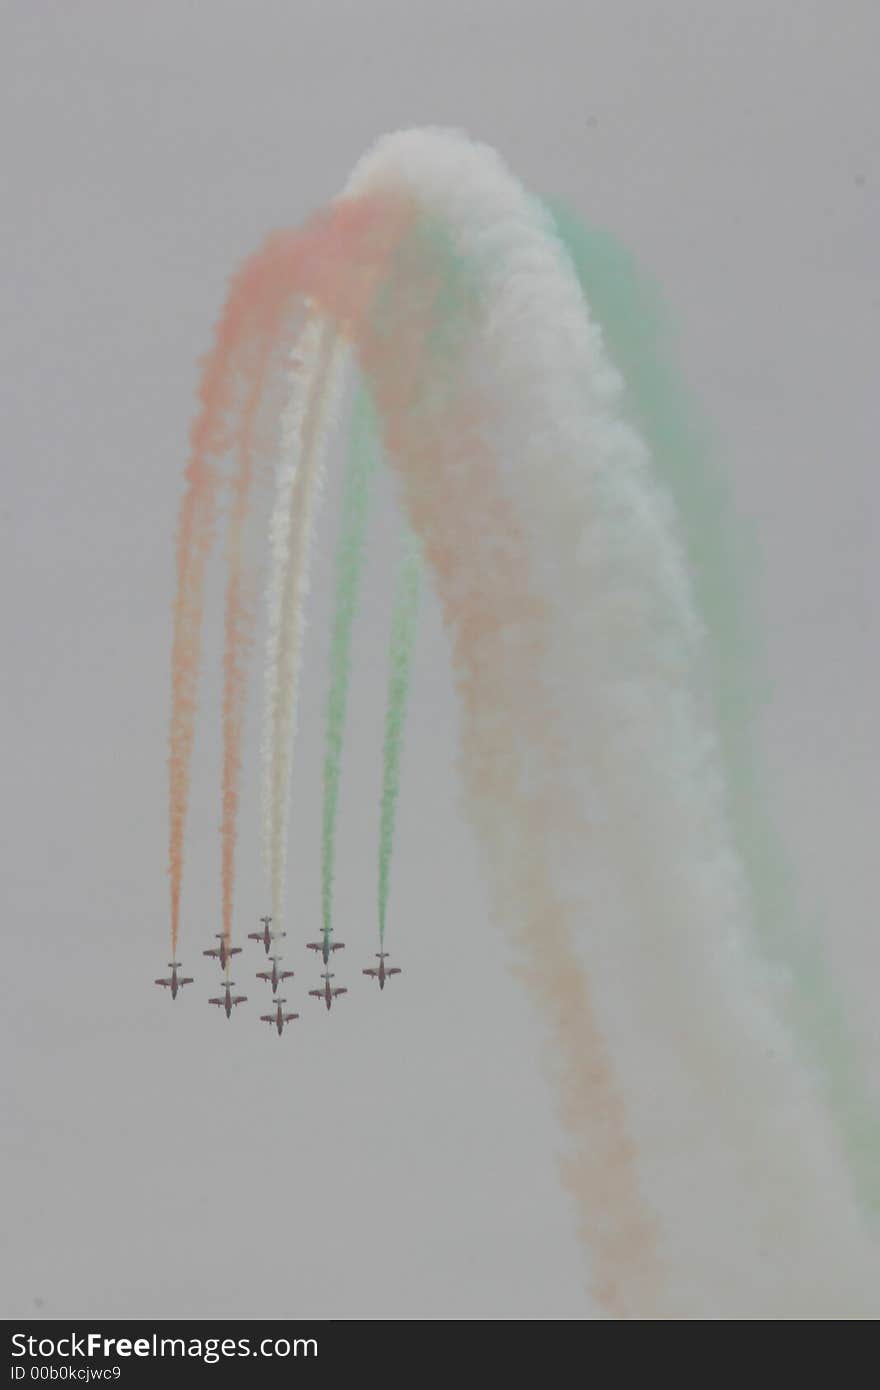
(337, 946)
(370, 971)
(166, 983)
(264, 974)
(288, 1018)
(394, 970)
(318, 993)
(255, 936)
(240, 999)
(213, 952)
(187, 980)
(234, 951)
(341, 990)
(221, 1002)
(267, 1018)
(287, 974)
(315, 945)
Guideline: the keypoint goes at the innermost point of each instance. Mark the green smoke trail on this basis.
(360, 471)
(722, 559)
(403, 630)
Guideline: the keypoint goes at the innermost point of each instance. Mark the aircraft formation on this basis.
(327, 993)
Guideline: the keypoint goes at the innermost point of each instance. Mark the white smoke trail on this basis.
(736, 1149)
(316, 378)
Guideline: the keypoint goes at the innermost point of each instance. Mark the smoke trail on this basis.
(707, 1177)
(303, 371)
(304, 435)
(360, 471)
(594, 773)
(259, 303)
(195, 531)
(338, 260)
(633, 324)
(239, 624)
(403, 631)
(421, 374)
(226, 376)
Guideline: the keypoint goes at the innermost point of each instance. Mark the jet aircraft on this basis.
(222, 952)
(325, 946)
(266, 936)
(229, 999)
(381, 972)
(177, 981)
(275, 975)
(328, 993)
(279, 1018)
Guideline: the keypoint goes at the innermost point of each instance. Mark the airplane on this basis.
(381, 973)
(325, 946)
(229, 999)
(278, 1018)
(328, 994)
(266, 936)
(223, 952)
(176, 982)
(275, 975)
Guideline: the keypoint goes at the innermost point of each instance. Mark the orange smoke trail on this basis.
(194, 532)
(527, 590)
(260, 301)
(474, 544)
(251, 313)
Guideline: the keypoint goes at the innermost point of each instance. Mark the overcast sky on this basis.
(396, 1158)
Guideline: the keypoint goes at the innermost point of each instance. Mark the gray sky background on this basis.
(395, 1159)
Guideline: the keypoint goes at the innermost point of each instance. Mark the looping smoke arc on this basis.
(705, 1155)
